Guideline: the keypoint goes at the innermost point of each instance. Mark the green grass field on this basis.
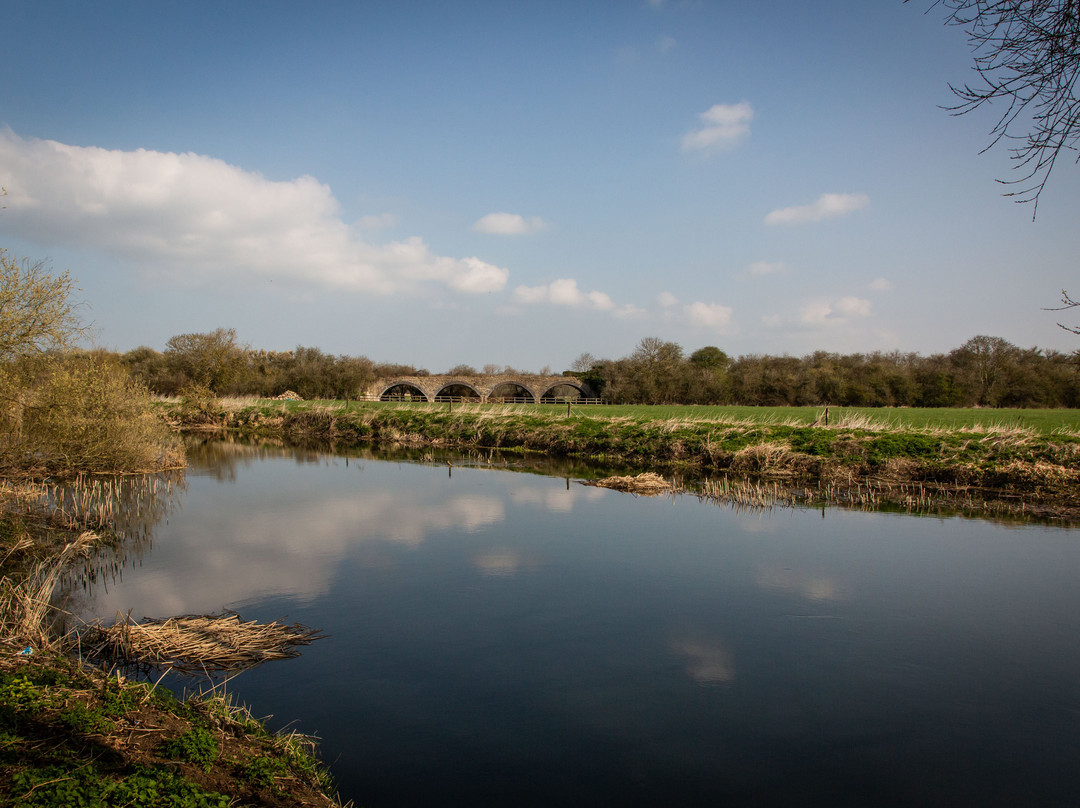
(1044, 422)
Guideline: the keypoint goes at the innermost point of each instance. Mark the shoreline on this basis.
(991, 470)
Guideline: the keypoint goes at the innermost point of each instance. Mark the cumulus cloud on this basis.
(724, 126)
(564, 292)
(827, 206)
(825, 312)
(202, 216)
(667, 300)
(881, 285)
(760, 268)
(708, 315)
(508, 224)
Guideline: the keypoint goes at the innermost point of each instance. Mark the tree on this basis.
(1027, 55)
(462, 370)
(584, 363)
(710, 357)
(208, 360)
(36, 312)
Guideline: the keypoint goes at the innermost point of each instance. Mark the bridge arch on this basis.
(459, 388)
(403, 391)
(511, 390)
(561, 391)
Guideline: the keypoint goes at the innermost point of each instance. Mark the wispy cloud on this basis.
(881, 285)
(564, 292)
(827, 206)
(724, 126)
(203, 218)
(826, 312)
(666, 43)
(508, 224)
(712, 316)
(761, 268)
(667, 300)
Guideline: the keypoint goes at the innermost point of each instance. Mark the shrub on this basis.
(85, 413)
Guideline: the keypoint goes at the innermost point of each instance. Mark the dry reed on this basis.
(195, 643)
(647, 484)
(26, 604)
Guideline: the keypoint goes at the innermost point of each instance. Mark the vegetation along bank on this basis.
(984, 459)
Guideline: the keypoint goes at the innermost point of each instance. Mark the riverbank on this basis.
(72, 733)
(995, 468)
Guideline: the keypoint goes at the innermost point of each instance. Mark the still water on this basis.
(515, 639)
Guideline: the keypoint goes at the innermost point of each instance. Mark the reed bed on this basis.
(26, 609)
(647, 484)
(221, 643)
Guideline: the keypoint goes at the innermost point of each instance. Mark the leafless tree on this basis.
(1027, 55)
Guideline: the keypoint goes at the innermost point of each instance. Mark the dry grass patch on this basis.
(195, 643)
(647, 484)
(765, 457)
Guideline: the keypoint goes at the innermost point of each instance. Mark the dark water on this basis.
(513, 639)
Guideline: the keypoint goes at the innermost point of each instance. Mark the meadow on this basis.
(1040, 421)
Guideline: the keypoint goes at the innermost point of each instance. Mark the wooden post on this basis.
(567, 408)
(826, 416)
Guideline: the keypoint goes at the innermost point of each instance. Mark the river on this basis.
(499, 637)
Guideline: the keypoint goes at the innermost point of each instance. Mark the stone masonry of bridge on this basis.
(486, 388)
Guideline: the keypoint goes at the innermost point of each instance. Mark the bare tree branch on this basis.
(1027, 55)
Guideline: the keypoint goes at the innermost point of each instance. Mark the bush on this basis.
(83, 413)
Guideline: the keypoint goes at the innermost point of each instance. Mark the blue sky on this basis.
(517, 183)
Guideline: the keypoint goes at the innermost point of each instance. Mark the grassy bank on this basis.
(1033, 463)
(72, 734)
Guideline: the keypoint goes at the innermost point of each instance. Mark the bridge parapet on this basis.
(485, 388)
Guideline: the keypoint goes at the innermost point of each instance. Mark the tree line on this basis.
(983, 372)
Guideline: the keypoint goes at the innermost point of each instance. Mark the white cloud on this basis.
(827, 206)
(709, 315)
(666, 43)
(508, 224)
(201, 217)
(881, 285)
(667, 300)
(564, 292)
(725, 125)
(760, 268)
(824, 312)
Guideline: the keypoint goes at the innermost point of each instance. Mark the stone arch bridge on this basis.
(494, 388)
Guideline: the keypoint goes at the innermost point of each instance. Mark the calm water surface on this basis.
(501, 638)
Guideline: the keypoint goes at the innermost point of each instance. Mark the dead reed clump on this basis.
(26, 606)
(195, 643)
(764, 457)
(647, 484)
